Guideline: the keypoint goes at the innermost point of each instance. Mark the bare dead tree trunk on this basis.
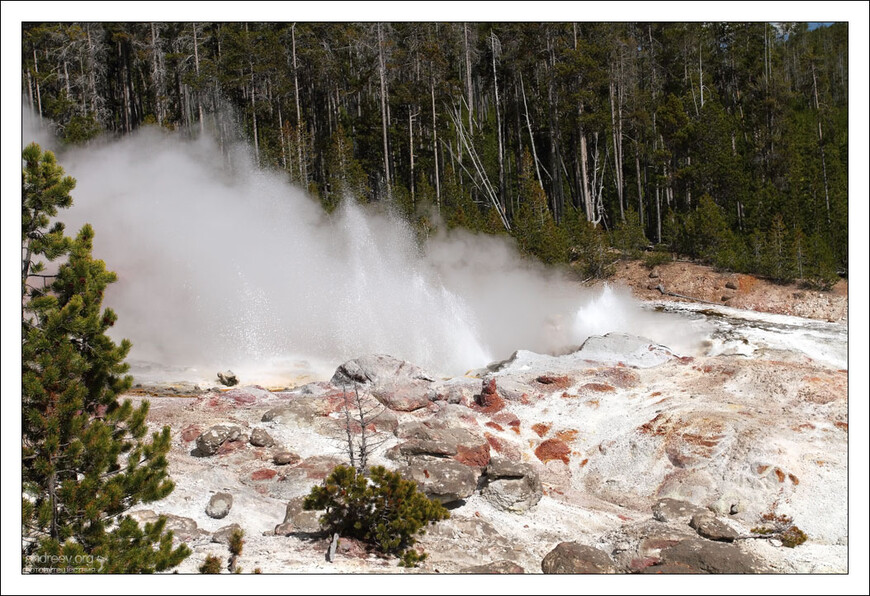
(639, 184)
(468, 80)
(531, 136)
(435, 145)
(501, 179)
(196, 64)
(411, 148)
(36, 78)
(303, 171)
(382, 71)
(821, 145)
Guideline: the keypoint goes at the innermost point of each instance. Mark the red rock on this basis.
(553, 449)
(495, 426)
(477, 457)
(599, 387)
(504, 448)
(230, 446)
(263, 474)
(555, 382)
(567, 435)
(541, 429)
(190, 433)
(642, 563)
(489, 401)
(507, 419)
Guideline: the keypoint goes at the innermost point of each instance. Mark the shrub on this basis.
(236, 542)
(383, 509)
(212, 564)
(654, 259)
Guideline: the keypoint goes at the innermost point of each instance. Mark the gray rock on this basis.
(514, 494)
(210, 441)
(731, 285)
(421, 447)
(496, 567)
(298, 520)
(285, 458)
(711, 557)
(302, 411)
(222, 536)
(184, 529)
(228, 378)
(219, 505)
(397, 384)
(654, 274)
(711, 528)
(573, 557)
(261, 438)
(632, 350)
(444, 480)
(512, 486)
(674, 510)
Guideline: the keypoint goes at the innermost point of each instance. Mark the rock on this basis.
(298, 520)
(263, 474)
(219, 505)
(711, 528)
(496, 567)
(444, 480)
(500, 467)
(631, 350)
(284, 458)
(731, 285)
(654, 274)
(573, 557)
(184, 528)
(397, 384)
(228, 378)
(553, 449)
(210, 441)
(245, 396)
(421, 447)
(465, 446)
(728, 504)
(710, 557)
(489, 400)
(261, 438)
(459, 390)
(318, 467)
(673, 510)
(514, 494)
(222, 536)
(378, 370)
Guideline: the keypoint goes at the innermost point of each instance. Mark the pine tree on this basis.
(85, 459)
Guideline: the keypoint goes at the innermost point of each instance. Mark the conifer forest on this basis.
(722, 142)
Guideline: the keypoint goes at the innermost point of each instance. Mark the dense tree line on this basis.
(727, 142)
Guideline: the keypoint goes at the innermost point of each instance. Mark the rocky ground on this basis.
(618, 458)
(732, 289)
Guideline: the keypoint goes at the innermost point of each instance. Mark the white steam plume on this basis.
(235, 268)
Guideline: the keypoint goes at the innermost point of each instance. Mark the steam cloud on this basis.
(235, 268)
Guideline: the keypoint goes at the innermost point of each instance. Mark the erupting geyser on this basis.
(234, 267)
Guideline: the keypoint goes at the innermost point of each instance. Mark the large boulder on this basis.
(711, 528)
(631, 350)
(444, 480)
(573, 557)
(298, 520)
(706, 556)
(210, 441)
(494, 568)
(436, 438)
(219, 505)
(512, 486)
(674, 510)
(397, 384)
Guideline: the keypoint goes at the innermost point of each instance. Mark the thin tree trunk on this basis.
(196, 64)
(639, 185)
(821, 145)
(501, 179)
(36, 78)
(303, 171)
(617, 142)
(468, 80)
(411, 148)
(383, 76)
(531, 136)
(435, 146)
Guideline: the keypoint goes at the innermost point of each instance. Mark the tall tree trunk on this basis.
(156, 73)
(554, 130)
(36, 78)
(196, 64)
(382, 71)
(639, 184)
(468, 80)
(617, 146)
(531, 136)
(411, 148)
(435, 145)
(501, 179)
(303, 170)
(821, 145)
